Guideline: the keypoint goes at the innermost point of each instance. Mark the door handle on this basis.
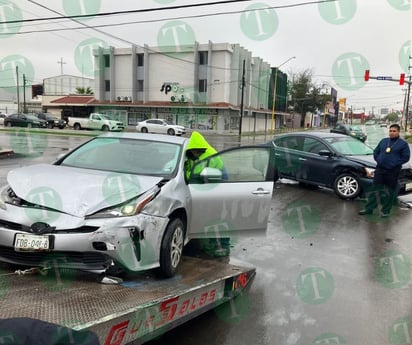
(302, 159)
(260, 191)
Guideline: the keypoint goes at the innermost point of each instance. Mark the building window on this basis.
(140, 60)
(107, 85)
(140, 85)
(203, 85)
(203, 58)
(106, 61)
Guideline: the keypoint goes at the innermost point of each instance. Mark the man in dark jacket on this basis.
(389, 155)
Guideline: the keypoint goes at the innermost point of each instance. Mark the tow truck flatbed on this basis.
(137, 310)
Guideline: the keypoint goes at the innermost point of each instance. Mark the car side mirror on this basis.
(325, 153)
(211, 174)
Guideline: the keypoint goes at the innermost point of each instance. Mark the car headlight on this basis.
(370, 172)
(128, 208)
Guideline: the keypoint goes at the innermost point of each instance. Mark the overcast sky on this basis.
(336, 40)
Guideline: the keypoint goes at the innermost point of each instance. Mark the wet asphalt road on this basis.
(325, 275)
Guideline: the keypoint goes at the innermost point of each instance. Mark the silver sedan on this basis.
(120, 202)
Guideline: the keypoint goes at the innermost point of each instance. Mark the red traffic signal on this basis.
(402, 79)
(366, 74)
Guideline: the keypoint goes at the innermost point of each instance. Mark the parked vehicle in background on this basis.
(52, 121)
(331, 160)
(370, 122)
(351, 130)
(2, 117)
(125, 204)
(24, 120)
(96, 121)
(383, 125)
(160, 126)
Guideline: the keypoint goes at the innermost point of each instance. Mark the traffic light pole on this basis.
(401, 81)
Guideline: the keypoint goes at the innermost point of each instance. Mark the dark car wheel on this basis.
(77, 126)
(144, 130)
(171, 131)
(347, 186)
(105, 128)
(29, 125)
(171, 248)
(9, 124)
(50, 125)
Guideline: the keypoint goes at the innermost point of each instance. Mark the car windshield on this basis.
(124, 155)
(169, 122)
(349, 146)
(32, 117)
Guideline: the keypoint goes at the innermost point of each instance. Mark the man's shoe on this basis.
(364, 212)
(385, 215)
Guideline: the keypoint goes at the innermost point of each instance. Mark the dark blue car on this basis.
(331, 160)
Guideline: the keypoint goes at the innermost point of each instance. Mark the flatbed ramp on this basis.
(134, 311)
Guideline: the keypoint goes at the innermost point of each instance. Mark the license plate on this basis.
(408, 186)
(32, 243)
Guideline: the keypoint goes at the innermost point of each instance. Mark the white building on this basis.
(65, 85)
(199, 85)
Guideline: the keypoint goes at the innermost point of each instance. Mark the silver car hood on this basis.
(75, 191)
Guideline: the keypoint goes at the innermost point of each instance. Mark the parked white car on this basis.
(160, 126)
(2, 117)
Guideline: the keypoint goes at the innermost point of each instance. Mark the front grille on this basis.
(19, 227)
(89, 260)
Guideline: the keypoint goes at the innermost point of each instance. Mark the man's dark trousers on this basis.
(386, 185)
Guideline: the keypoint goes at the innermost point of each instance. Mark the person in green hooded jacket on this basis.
(197, 150)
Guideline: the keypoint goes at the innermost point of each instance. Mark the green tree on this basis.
(84, 91)
(305, 95)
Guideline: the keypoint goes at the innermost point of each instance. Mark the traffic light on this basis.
(402, 79)
(366, 74)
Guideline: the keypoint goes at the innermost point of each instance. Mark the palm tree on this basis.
(84, 91)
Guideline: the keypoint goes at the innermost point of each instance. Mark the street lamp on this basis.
(274, 91)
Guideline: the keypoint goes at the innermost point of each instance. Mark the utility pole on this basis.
(408, 96)
(241, 100)
(24, 94)
(61, 65)
(18, 91)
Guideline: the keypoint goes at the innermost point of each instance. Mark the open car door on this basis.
(234, 198)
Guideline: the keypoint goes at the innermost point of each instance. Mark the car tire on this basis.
(171, 248)
(171, 131)
(105, 128)
(9, 124)
(50, 125)
(347, 186)
(77, 126)
(144, 130)
(29, 125)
